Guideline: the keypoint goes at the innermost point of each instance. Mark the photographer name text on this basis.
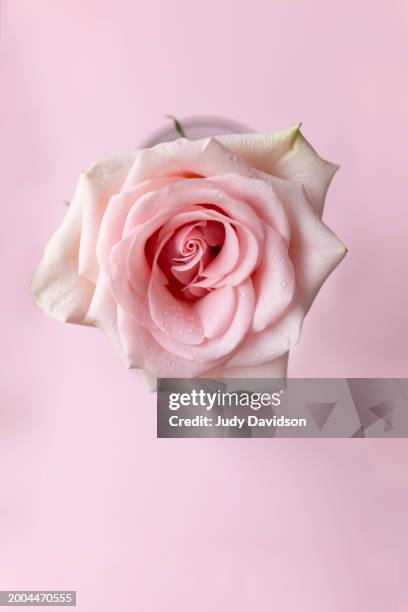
(238, 422)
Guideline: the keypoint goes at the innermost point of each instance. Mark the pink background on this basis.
(89, 498)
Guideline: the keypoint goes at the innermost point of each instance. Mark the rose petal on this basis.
(182, 157)
(116, 214)
(249, 256)
(288, 155)
(184, 233)
(197, 193)
(142, 351)
(103, 313)
(315, 250)
(213, 233)
(260, 196)
(215, 348)
(173, 317)
(99, 184)
(228, 256)
(126, 296)
(187, 272)
(138, 268)
(216, 311)
(248, 253)
(57, 287)
(274, 282)
(272, 342)
(189, 195)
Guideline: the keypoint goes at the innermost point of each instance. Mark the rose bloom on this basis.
(196, 257)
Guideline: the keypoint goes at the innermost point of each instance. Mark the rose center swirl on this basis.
(186, 255)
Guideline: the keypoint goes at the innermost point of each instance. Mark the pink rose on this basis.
(196, 257)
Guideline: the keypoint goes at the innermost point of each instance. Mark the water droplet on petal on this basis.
(283, 284)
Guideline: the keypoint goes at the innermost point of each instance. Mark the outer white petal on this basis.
(103, 313)
(315, 251)
(57, 287)
(103, 180)
(64, 282)
(288, 155)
